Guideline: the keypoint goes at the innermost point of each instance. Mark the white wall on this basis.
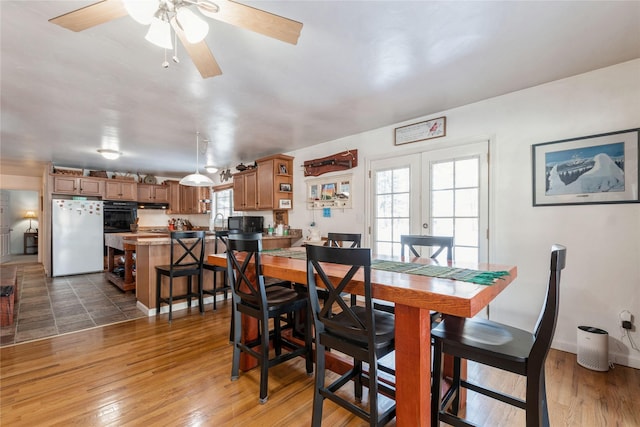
(602, 277)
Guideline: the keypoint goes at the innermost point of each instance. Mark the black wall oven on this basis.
(119, 215)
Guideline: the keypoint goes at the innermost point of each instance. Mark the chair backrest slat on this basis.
(546, 324)
(192, 243)
(357, 259)
(246, 280)
(341, 239)
(439, 242)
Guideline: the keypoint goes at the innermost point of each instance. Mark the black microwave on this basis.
(246, 224)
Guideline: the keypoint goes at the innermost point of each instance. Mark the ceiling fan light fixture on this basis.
(109, 154)
(195, 28)
(159, 33)
(211, 169)
(141, 11)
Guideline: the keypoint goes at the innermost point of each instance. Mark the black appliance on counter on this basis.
(118, 216)
(246, 224)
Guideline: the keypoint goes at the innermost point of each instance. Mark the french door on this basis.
(441, 192)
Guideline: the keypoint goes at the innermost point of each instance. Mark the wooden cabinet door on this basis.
(91, 186)
(264, 183)
(121, 191)
(245, 191)
(128, 191)
(145, 193)
(174, 197)
(65, 184)
(187, 199)
(161, 194)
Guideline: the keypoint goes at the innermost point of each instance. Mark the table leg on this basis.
(413, 366)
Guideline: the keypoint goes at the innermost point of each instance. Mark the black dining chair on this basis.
(220, 242)
(186, 257)
(363, 333)
(500, 346)
(252, 298)
(439, 243)
(345, 240)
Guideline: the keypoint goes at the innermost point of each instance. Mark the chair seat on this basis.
(179, 270)
(486, 341)
(385, 326)
(278, 296)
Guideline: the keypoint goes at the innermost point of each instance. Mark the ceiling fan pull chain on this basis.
(165, 64)
(175, 48)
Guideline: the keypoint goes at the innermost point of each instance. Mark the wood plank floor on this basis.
(149, 372)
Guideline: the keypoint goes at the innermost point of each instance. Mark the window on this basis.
(222, 204)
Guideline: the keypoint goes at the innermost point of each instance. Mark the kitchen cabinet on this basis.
(120, 190)
(245, 191)
(77, 185)
(188, 200)
(153, 193)
(275, 182)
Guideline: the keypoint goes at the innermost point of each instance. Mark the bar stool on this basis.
(185, 264)
(221, 237)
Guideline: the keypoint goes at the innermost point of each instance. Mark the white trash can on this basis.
(593, 348)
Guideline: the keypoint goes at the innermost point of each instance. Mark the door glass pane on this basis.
(466, 231)
(442, 203)
(385, 229)
(401, 205)
(383, 182)
(442, 227)
(442, 176)
(467, 173)
(467, 202)
(384, 205)
(401, 180)
(465, 254)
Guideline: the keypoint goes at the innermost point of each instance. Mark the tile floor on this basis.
(52, 306)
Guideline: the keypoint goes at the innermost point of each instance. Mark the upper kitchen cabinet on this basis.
(275, 182)
(188, 200)
(77, 185)
(245, 191)
(153, 193)
(267, 187)
(120, 190)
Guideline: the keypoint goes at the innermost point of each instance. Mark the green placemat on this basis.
(445, 272)
(287, 253)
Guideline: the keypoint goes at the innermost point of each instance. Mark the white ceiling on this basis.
(358, 65)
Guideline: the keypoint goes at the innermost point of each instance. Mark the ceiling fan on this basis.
(162, 15)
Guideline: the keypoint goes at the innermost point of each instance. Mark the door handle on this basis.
(425, 225)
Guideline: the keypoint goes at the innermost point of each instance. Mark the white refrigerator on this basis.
(77, 236)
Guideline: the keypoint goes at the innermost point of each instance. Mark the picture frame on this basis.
(283, 169)
(285, 204)
(429, 129)
(286, 187)
(594, 169)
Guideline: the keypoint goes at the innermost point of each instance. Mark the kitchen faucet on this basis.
(216, 217)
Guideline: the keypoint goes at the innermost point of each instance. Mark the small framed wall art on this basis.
(285, 204)
(434, 128)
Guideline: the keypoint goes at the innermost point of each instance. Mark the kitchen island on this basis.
(152, 249)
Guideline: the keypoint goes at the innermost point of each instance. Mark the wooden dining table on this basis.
(414, 297)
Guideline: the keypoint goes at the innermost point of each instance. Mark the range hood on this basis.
(149, 205)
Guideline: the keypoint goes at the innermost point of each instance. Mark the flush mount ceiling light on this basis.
(211, 169)
(197, 179)
(165, 16)
(109, 154)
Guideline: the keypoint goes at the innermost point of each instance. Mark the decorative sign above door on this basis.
(420, 131)
(336, 162)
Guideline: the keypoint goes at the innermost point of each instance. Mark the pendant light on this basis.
(197, 179)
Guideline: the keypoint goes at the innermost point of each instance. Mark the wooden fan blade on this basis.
(92, 15)
(200, 54)
(250, 18)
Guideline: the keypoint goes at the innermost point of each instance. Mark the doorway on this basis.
(19, 212)
(440, 192)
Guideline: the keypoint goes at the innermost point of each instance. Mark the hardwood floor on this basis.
(149, 372)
